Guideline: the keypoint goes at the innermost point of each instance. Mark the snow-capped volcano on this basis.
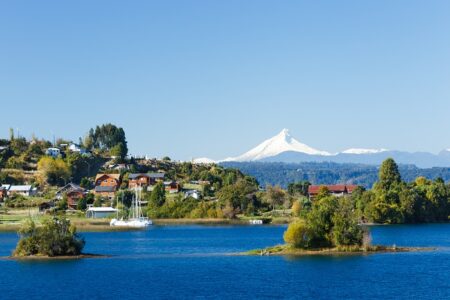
(283, 148)
(282, 142)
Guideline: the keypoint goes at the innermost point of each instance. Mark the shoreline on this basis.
(102, 225)
(284, 250)
(62, 257)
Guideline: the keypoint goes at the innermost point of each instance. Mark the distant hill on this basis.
(328, 173)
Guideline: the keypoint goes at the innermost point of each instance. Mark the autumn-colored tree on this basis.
(54, 171)
(275, 195)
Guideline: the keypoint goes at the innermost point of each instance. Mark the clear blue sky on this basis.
(214, 78)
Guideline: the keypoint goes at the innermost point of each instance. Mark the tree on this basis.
(119, 151)
(62, 204)
(54, 171)
(98, 201)
(158, 195)
(125, 197)
(89, 140)
(236, 197)
(320, 221)
(323, 192)
(106, 136)
(296, 208)
(297, 235)
(85, 183)
(275, 195)
(11, 134)
(82, 204)
(346, 231)
(388, 175)
(299, 188)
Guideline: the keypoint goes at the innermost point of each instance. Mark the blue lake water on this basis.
(168, 262)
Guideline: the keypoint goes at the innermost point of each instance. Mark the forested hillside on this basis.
(328, 173)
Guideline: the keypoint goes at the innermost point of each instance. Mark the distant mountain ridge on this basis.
(328, 173)
(284, 148)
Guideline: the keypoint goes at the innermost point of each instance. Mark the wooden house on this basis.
(73, 193)
(337, 190)
(144, 179)
(106, 185)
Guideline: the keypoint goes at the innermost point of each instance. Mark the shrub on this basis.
(297, 235)
(296, 208)
(55, 237)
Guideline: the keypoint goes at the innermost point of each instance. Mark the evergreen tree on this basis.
(388, 175)
(158, 195)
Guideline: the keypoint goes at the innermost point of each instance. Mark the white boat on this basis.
(137, 220)
(134, 222)
(256, 222)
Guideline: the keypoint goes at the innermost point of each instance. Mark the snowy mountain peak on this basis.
(284, 132)
(280, 143)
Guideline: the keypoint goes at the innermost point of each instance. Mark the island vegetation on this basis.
(56, 237)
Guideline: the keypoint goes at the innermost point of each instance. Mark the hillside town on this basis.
(97, 178)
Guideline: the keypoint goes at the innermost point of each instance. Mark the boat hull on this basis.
(134, 223)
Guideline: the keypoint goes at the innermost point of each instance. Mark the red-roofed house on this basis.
(337, 190)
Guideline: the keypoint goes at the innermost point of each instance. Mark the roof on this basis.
(170, 182)
(149, 175)
(6, 186)
(102, 209)
(114, 176)
(69, 188)
(105, 189)
(20, 188)
(336, 188)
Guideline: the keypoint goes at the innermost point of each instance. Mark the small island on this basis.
(55, 238)
(330, 227)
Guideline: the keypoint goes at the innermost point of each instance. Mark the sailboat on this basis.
(137, 220)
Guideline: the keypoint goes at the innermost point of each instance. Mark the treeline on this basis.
(328, 173)
(329, 221)
(392, 200)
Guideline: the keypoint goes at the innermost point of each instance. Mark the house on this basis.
(337, 190)
(106, 185)
(100, 212)
(77, 148)
(144, 179)
(24, 190)
(192, 193)
(172, 187)
(73, 193)
(53, 152)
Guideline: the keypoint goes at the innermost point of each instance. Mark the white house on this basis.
(77, 148)
(193, 193)
(53, 152)
(24, 190)
(100, 212)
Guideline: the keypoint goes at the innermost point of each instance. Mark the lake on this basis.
(167, 262)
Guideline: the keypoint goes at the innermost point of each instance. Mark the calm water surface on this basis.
(191, 262)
